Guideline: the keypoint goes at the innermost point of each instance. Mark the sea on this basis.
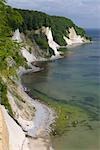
(76, 79)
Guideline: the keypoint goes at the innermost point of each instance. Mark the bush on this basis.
(3, 98)
(63, 49)
(41, 40)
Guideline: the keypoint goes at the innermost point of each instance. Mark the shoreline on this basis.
(35, 131)
(40, 124)
(19, 141)
(42, 111)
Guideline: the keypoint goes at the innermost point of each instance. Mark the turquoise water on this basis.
(75, 79)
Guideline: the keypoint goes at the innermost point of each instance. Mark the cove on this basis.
(73, 80)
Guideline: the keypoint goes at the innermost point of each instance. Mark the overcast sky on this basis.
(85, 13)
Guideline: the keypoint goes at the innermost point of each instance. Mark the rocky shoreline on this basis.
(31, 121)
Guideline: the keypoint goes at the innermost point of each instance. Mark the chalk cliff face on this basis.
(17, 36)
(17, 139)
(30, 56)
(25, 52)
(51, 42)
(49, 35)
(73, 38)
(27, 55)
(4, 135)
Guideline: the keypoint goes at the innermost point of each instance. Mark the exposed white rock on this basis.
(72, 33)
(19, 113)
(44, 117)
(17, 139)
(74, 38)
(51, 42)
(68, 41)
(30, 57)
(17, 36)
(10, 61)
(27, 55)
(21, 70)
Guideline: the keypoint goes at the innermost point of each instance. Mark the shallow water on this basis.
(75, 79)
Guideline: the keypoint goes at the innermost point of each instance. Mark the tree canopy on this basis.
(9, 19)
(33, 20)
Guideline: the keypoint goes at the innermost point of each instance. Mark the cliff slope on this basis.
(4, 135)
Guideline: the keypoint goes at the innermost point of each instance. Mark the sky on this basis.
(85, 13)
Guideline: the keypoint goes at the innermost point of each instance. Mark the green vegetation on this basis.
(60, 28)
(34, 20)
(3, 98)
(14, 18)
(27, 20)
(8, 48)
(41, 40)
(10, 56)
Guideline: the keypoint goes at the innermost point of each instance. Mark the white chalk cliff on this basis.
(25, 53)
(16, 36)
(51, 42)
(17, 139)
(74, 38)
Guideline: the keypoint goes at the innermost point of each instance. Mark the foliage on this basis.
(9, 18)
(33, 20)
(59, 27)
(80, 31)
(9, 50)
(51, 52)
(4, 29)
(62, 49)
(26, 20)
(14, 18)
(3, 98)
(41, 40)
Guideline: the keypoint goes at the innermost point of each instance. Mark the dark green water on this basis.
(76, 79)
